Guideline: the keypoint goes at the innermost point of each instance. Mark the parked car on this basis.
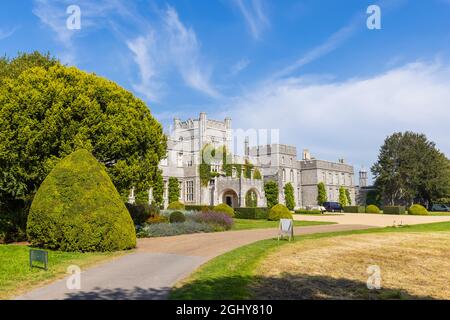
(440, 208)
(332, 206)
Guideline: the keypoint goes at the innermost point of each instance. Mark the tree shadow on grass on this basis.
(136, 293)
(287, 287)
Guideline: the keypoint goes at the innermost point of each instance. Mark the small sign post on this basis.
(39, 256)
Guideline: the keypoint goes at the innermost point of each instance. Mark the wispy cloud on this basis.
(53, 14)
(355, 115)
(254, 15)
(169, 45)
(142, 48)
(185, 50)
(330, 44)
(338, 38)
(6, 33)
(239, 66)
(333, 42)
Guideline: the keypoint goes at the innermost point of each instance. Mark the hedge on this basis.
(77, 208)
(305, 211)
(252, 213)
(354, 209)
(394, 210)
(198, 207)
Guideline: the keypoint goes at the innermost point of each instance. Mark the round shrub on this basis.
(417, 210)
(177, 217)
(176, 205)
(279, 211)
(77, 208)
(372, 209)
(224, 208)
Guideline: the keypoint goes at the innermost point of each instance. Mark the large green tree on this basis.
(289, 198)
(411, 169)
(271, 192)
(48, 110)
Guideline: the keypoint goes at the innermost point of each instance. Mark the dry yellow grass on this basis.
(413, 266)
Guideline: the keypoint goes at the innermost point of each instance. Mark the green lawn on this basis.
(245, 224)
(229, 276)
(16, 276)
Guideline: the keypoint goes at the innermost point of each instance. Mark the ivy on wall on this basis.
(209, 152)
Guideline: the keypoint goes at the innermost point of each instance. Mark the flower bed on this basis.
(172, 229)
(196, 222)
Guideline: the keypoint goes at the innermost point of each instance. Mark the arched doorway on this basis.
(230, 198)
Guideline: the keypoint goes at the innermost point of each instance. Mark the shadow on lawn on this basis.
(288, 287)
(121, 294)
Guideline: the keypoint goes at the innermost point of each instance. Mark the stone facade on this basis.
(276, 162)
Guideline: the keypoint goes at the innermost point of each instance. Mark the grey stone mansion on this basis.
(277, 162)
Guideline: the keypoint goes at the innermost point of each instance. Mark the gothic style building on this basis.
(275, 162)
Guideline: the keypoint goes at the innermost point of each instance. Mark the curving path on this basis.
(158, 263)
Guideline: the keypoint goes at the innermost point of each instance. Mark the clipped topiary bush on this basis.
(279, 211)
(224, 208)
(417, 210)
(372, 209)
(176, 205)
(198, 207)
(77, 208)
(177, 217)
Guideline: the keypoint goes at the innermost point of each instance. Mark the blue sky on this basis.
(310, 68)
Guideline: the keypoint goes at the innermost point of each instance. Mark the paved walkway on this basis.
(375, 220)
(159, 263)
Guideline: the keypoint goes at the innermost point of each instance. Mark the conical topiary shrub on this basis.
(77, 208)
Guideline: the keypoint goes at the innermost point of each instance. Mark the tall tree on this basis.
(373, 197)
(342, 197)
(321, 194)
(48, 110)
(158, 189)
(174, 189)
(271, 192)
(411, 169)
(349, 198)
(289, 198)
